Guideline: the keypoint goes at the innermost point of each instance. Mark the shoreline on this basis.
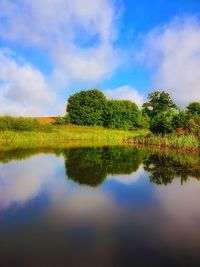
(164, 147)
(186, 143)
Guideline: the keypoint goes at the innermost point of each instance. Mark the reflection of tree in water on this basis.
(164, 168)
(91, 166)
(25, 153)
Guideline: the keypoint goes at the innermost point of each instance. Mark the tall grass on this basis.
(65, 134)
(20, 124)
(170, 140)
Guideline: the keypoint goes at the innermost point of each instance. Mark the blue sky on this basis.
(52, 48)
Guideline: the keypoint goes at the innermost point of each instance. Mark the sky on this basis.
(51, 49)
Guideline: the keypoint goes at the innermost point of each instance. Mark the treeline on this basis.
(93, 108)
(166, 117)
(160, 114)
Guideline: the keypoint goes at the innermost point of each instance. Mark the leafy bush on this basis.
(161, 111)
(62, 120)
(180, 119)
(194, 108)
(163, 122)
(87, 107)
(92, 108)
(122, 114)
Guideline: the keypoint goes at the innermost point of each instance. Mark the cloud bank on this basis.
(172, 53)
(79, 36)
(23, 88)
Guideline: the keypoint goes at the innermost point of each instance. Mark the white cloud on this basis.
(78, 35)
(173, 54)
(23, 88)
(125, 92)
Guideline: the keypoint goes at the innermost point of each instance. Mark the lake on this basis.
(99, 206)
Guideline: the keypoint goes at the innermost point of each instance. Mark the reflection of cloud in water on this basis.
(180, 202)
(128, 179)
(180, 207)
(23, 181)
(80, 205)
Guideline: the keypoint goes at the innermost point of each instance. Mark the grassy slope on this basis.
(62, 135)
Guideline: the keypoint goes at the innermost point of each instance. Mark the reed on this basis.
(187, 142)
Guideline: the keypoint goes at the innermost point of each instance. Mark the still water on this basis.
(103, 206)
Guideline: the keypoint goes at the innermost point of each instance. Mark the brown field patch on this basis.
(45, 120)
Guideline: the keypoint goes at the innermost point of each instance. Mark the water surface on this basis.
(103, 206)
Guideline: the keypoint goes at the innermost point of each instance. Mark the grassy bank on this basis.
(62, 135)
(187, 142)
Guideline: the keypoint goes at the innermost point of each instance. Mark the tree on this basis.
(162, 122)
(87, 107)
(181, 119)
(158, 102)
(193, 125)
(161, 111)
(194, 108)
(122, 114)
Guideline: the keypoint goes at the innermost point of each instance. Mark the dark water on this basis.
(115, 206)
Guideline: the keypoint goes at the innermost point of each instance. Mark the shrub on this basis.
(62, 120)
(87, 107)
(122, 114)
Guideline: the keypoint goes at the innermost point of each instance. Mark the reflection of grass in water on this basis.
(62, 134)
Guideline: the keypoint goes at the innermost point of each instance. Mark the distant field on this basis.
(45, 119)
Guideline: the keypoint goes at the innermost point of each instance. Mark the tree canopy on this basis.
(194, 108)
(160, 114)
(87, 107)
(92, 108)
(161, 110)
(122, 114)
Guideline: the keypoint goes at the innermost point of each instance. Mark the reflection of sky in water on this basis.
(125, 217)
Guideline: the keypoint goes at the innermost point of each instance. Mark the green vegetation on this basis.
(122, 114)
(165, 117)
(161, 111)
(171, 126)
(187, 142)
(92, 108)
(194, 108)
(61, 135)
(87, 108)
(95, 118)
(21, 124)
(62, 120)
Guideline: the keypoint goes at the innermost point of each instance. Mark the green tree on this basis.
(193, 125)
(194, 108)
(161, 111)
(122, 114)
(181, 119)
(87, 107)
